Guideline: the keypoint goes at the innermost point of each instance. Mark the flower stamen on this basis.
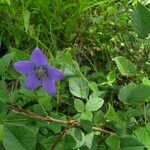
(41, 72)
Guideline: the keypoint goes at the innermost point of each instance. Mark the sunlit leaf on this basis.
(26, 18)
(113, 142)
(141, 21)
(134, 94)
(130, 143)
(94, 104)
(143, 135)
(68, 142)
(18, 137)
(126, 67)
(4, 62)
(79, 105)
(89, 140)
(111, 77)
(79, 87)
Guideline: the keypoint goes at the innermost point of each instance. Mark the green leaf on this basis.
(3, 108)
(86, 115)
(18, 137)
(71, 69)
(5, 1)
(100, 94)
(111, 77)
(141, 21)
(130, 143)
(134, 94)
(26, 18)
(1, 132)
(78, 135)
(79, 87)
(147, 108)
(143, 135)
(146, 81)
(55, 127)
(94, 104)
(4, 93)
(111, 115)
(47, 142)
(41, 92)
(113, 142)
(126, 67)
(11, 74)
(86, 125)
(4, 62)
(27, 92)
(68, 142)
(89, 140)
(134, 112)
(79, 105)
(99, 117)
(8, 1)
(14, 95)
(19, 54)
(94, 87)
(45, 101)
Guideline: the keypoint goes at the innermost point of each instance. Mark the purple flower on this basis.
(39, 72)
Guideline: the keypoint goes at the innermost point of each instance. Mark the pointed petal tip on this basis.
(55, 73)
(24, 67)
(49, 87)
(37, 49)
(38, 57)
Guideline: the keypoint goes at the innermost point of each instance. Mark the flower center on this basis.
(41, 72)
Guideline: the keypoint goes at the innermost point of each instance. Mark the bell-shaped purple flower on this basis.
(39, 72)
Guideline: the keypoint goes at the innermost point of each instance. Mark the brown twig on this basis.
(69, 123)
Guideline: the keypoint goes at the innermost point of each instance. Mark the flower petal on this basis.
(38, 57)
(55, 74)
(49, 86)
(32, 82)
(24, 67)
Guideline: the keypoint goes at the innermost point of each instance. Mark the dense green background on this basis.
(103, 48)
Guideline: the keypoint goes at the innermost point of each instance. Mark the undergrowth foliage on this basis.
(103, 51)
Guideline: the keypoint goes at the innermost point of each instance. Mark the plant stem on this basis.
(69, 123)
